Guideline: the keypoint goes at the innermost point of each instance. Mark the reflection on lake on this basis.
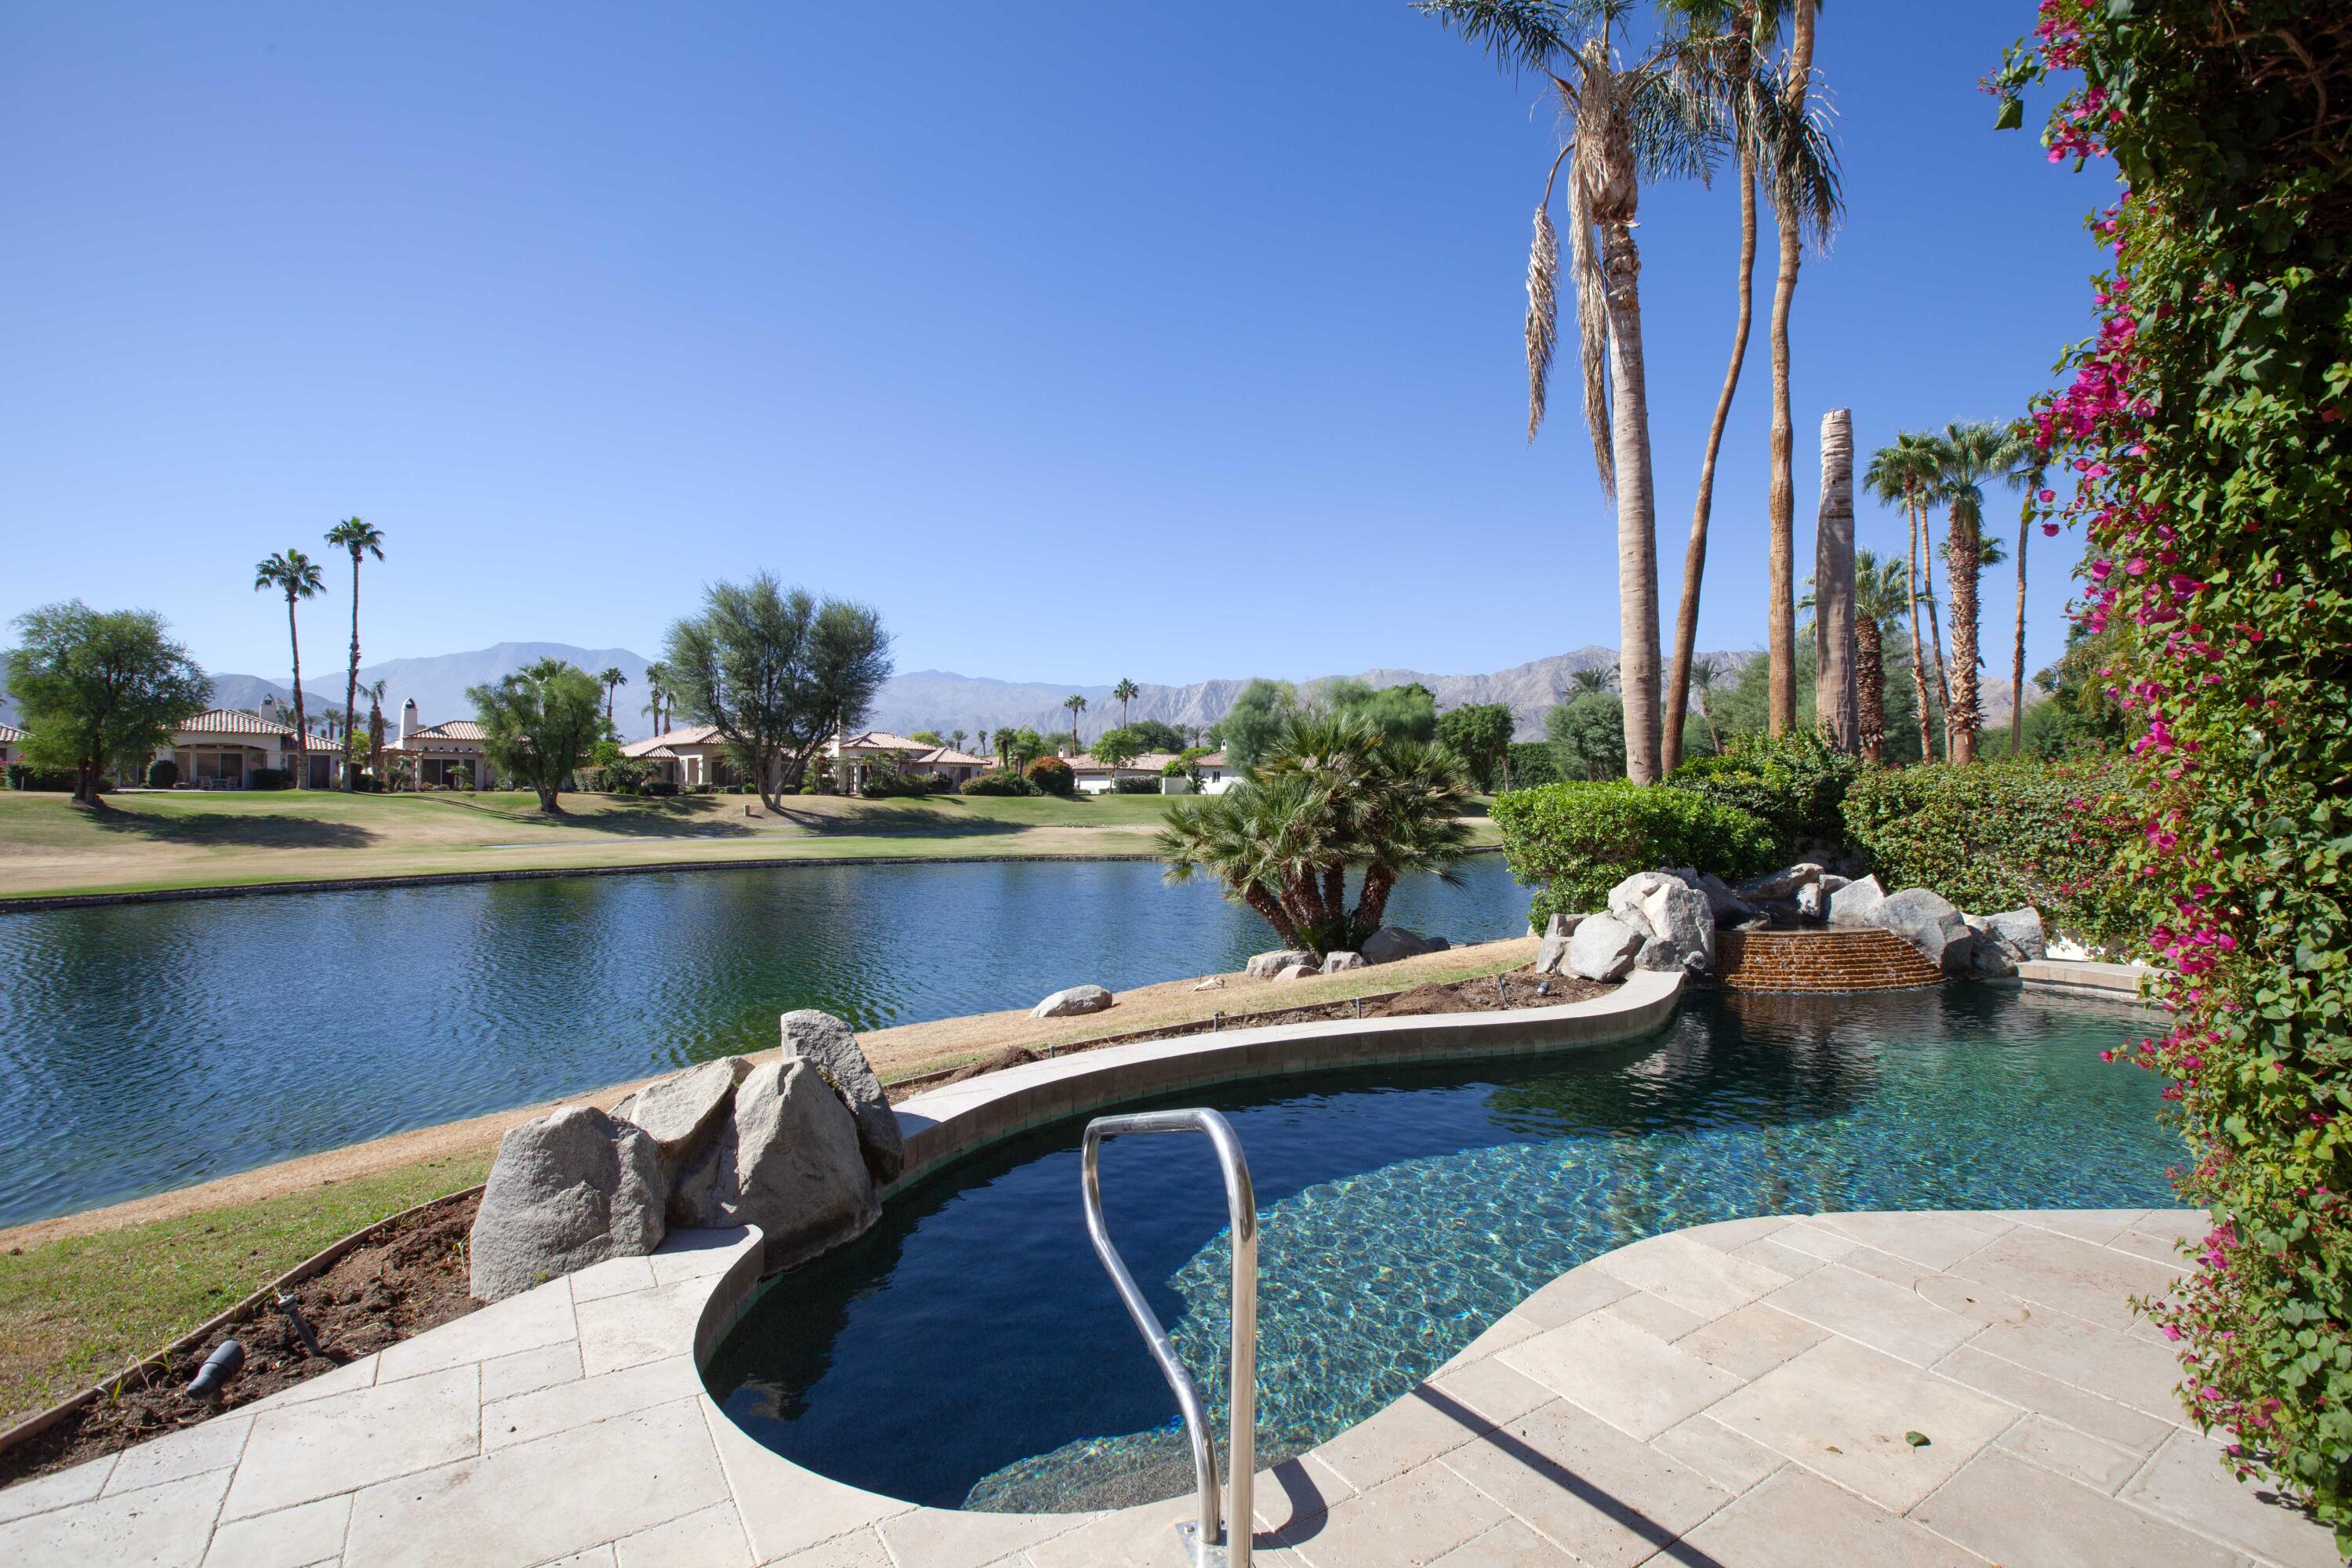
(145, 1046)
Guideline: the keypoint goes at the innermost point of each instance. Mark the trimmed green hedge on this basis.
(1795, 784)
(2002, 835)
(1574, 842)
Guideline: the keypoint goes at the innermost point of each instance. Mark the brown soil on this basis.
(409, 1278)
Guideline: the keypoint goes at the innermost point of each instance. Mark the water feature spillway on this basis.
(146, 1047)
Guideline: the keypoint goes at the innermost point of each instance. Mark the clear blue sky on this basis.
(1085, 341)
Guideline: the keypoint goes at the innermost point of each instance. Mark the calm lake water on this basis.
(146, 1047)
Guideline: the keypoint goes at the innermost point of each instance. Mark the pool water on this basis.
(969, 1350)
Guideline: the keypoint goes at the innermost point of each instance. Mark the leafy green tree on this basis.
(98, 687)
(361, 539)
(1259, 712)
(1407, 712)
(1156, 736)
(1588, 736)
(776, 671)
(1480, 735)
(1330, 795)
(540, 723)
(297, 576)
(1117, 747)
(928, 737)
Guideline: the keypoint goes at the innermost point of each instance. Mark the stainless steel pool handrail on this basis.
(1232, 1529)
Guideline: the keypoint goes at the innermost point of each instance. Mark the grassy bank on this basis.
(158, 842)
(81, 1296)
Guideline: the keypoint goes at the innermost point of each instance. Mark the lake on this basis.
(147, 1047)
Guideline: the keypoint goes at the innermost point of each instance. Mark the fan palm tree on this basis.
(955, 739)
(361, 539)
(1126, 691)
(1788, 211)
(1728, 46)
(375, 690)
(1601, 680)
(2029, 476)
(1968, 455)
(1705, 671)
(1077, 705)
(1902, 475)
(297, 576)
(611, 677)
(1624, 121)
(1881, 594)
(657, 698)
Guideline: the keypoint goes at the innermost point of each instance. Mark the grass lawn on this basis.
(186, 839)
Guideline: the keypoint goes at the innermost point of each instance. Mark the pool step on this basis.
(1861, 958)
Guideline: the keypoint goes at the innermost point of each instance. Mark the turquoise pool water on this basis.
(969, 1351)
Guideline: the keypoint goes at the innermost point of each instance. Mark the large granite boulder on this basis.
(1389, 943)
(1728, 907)
(1604, 948)
(1340, 963)
(1988, 960)
(1681, 916)
(1552, 951)
(683, 1112)
(789, 1163)
(568, 1189)
(1930, 923)
(827, 1043)
(1856, 902)
(1068, 1003)
(1267, 965)
(1780, 884)
(1810, 904)
(1628, 899)
(2020, 934)
(1299, 972)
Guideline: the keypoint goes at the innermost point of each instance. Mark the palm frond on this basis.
(1591, 322)
(1681, 127)
(1796, 148)
(1543, 314)
(1522, 35)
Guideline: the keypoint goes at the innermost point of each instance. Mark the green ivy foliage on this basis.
(2002, 835)
(1574, 842)
(2205, 433)
(1794, 783)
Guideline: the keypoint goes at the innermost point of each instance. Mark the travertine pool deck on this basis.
(1735, 1394)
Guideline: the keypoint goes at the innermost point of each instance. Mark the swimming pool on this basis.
(970, 1352)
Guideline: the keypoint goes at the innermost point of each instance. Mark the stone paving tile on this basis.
(710, 1539)
(1813, 1241)
(696, 1255)
(1653, 1315)
(785, 1509)
(520, 1323)
(558, 1495)
(1731, 1234)
(1586, 1486)
(1641, 1384)
(531, 1417)
(1978, 1303)
(57, 1489)
(595, 1557)
(1401, 1523)
(618, 1331)
(2187, 1482)
(211, 1444)
(2007, 1510)
(1884, 1316)
(946, 1538)
(1412, 1431)
(1571, 1296)
(359, 1373)
(614, 1276)
(156, 1527)
(1932, 1240)
(1501, 1335)
(2098, 1226)
(2089, 1282)
(1296, 1489)
(355, 1439)
(2118, 1425)
(1842, 1409)
(1798, 1520)
(2128, 1371)
(527, 1371)
(1693, 1276)
(863, 1550)
(1491, 1388)
(2077, 1455)
(2154, 1247)
(1770, 1254)
(1718, 1453)
(291, 1538)
(1509, 1544)
(1751, 1342)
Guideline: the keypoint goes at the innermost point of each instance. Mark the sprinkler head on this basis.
(212, 1378)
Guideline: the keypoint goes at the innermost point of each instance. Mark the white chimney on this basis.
(408, 724)
(268, 706)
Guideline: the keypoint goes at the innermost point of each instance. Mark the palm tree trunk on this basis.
(1372, 902)
(1835, 705)
(1669, 744)
(351, 677)
(1870, 687)
(1918, 653)
(1936, 631)
(1961, 718)
(301, 730)
(2017, 654)
(1781, 620)
(1270, 909)
(1637, 523)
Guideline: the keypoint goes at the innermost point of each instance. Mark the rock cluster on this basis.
(798, 1147)
(1385, 945)
(1655, 919)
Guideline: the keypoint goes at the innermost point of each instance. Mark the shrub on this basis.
(162, 773)
(1138, 786)
(1052, 775)
(897, 786)
(22, 775)
(662, 787)
(1795, 784)
(1579, 840)
(703, 789)
(2000, 835)
(999, 781)
(268, 778)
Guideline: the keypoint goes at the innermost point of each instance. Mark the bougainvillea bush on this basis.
(2204, 435)
(2001, 835)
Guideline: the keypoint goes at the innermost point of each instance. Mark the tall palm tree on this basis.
(611, 677)
(1728, 46)
(980, 741)
(657, 695)
(2029, 476)
(1881, 594)
(1836, 702)
(1704, 672)
(955, 739)
(1077, 705)
(1126, 691)
(1969, 454)
(1625, 121)
(375, 690)
(361, 539)
(297, 576)
(1902, 475)
(1796, 82)
(1601, 680)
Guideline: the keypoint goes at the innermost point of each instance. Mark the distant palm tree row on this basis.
(296, 575)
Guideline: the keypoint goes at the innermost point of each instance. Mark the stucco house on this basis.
(857, 758)
(224, 748)
(1095, 777)
(688, 756)
(446, 755)
(11, 744)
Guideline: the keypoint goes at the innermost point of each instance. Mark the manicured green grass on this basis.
(78, 1310)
